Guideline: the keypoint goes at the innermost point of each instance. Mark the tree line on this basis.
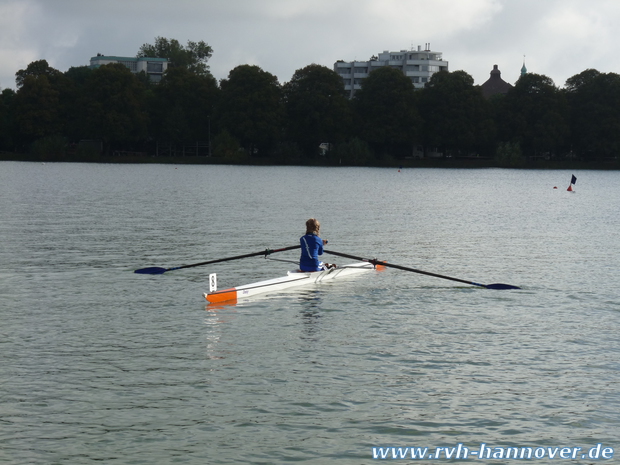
(251, 116)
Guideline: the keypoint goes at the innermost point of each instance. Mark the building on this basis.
(153, 67)
(419, 65)
(495, 84)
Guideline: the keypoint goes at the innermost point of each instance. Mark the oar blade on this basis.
(152, 270)
(501, 286)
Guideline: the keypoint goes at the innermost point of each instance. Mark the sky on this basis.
(557, 38)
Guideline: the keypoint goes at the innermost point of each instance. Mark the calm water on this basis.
(101, 365)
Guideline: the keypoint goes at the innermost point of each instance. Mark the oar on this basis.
(158, 270)
(378, 262)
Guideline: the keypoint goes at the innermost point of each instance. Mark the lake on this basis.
(102, 365)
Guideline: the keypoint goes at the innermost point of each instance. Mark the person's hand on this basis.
(324, 242)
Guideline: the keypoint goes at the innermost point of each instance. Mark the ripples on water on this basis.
(103, 365)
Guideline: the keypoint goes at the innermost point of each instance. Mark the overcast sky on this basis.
(559, 38)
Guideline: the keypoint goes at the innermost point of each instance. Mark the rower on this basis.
(312, 247)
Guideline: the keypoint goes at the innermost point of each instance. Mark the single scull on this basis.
(292, 279)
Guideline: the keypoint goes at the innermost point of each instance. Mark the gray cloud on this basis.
(559, 38)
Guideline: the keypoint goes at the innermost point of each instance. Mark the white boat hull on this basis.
(292, 279)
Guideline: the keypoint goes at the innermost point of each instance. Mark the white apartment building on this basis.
(153, 67)
(419, 65)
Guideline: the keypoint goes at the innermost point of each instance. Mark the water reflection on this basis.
(312, 304)
(311, 299)
(214, 321)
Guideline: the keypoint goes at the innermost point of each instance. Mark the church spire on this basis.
(523, 68)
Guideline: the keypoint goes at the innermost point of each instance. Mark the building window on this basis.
(154, 67)
(132, 65)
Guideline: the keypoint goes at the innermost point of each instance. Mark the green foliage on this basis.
(509, 155)
(37, 108)
(87, 152)
(181, 106)
(354, 152)
(286, 153)
(37, 69)
(114, 106)
(387, 115)
(535, 113)
(78, 75)
(226, 146)
(7, 120)
(193, 57)
(594, 114)
(49, 147)
(317, 109)
(250, 114)
(39, 102)
(250, 108)
(456, 115)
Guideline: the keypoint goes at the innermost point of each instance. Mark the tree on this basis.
(193, 57)
(182, 106)
(386, 111)
(38, 104)
(78, 75)
(37, 109)
(456, 115)
(250, 108)
(75, 98)
(535, 115)
(37, 69)
(594, 100)
(7, 97)
(114, 107)
(317, 109)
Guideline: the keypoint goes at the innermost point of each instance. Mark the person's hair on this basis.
(313, 226)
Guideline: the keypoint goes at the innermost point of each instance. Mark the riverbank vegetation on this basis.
(109, 114)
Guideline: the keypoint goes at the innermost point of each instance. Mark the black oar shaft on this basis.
(428, 273)
(155, 270)
(400, 267)
(238, 257)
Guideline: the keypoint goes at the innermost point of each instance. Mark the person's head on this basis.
(313, 226)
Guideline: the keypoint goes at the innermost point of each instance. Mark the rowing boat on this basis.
(292, 279)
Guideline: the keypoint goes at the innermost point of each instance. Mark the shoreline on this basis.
(461, 163)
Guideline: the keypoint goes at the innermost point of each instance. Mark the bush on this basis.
(287, 153)
(354, 152)
(51, 147)
(509, 154)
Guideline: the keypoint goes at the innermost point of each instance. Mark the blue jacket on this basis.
(311, 248)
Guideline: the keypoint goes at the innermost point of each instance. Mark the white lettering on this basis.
(402, 453)
(380, 453)
(528, 450)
